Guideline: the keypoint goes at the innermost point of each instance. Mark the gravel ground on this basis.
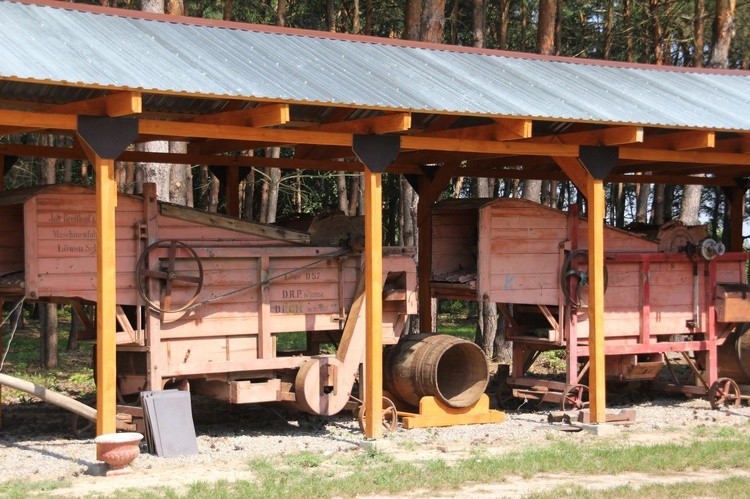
(36, 443)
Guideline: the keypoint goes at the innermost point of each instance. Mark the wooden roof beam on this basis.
(739, 145)
(616, 178)
(612, 136)
(387, 123)
(273, 136)
(396, 122)
(503, 130)
(681, 141)
(259, 116)
(114, 105)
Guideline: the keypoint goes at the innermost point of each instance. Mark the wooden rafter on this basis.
(263, 115)
(114, 105)
(681, 141)
(388, 123)
(611, 136)
(260, 116)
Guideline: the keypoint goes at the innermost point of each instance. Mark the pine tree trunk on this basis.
(691, 203)
(656, 32)
(331, 15)
(502, 28)
(609, 22)
(432, 22)
(659, 216)
(723, 33)
(48, 329)
(486, 332)
(627, 19)
(248, 199)
(213, 193)
(75, 328)
(180, 178)
(699, 30)
(641, 211)
(342, 192)
(156, 173)
(355, 207)
(412, 18)
(48, 311)
(274, 178)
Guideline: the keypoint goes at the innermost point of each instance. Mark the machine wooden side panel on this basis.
(65, 253)
(454, 242)
(11, 239)
(524, 262)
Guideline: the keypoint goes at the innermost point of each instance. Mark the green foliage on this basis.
(75, 373)
(729, 487)
(21, 489)
(304, 459)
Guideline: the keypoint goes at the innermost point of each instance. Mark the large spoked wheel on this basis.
(80, 425)
(574, 275)
(724, 393)
(169, 275)
(575, 398)
(390, 416)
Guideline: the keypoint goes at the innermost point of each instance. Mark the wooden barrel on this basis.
(451, 369)
(734, 356)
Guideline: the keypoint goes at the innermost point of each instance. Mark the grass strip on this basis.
(308, 475)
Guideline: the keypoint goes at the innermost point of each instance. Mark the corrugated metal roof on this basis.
(56, 45)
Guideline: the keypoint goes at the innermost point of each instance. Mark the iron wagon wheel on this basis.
(569, 273)
(390, 416)
(724, 392)
(574, 398)
(80, 425)
(168, 275)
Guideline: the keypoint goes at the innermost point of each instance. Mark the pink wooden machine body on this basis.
(676, 292)
(202, 298)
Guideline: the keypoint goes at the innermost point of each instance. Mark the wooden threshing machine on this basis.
(202, 298)
(676, 294)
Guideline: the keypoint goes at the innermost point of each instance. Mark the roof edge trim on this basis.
(194, 21)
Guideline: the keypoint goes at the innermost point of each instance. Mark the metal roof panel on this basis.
(56, 45)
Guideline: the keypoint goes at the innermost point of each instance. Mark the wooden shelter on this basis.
(426, 111)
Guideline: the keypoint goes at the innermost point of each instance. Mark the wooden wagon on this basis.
(203, 298)
(675, 292)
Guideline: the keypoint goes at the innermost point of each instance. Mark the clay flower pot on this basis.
(118, 449)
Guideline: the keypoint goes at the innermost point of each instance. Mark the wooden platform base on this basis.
(434, 413)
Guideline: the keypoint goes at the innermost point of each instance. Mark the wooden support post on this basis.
(424, 246)
(588, 173)
(106, 292)
(596, 208)
(233, 191)
(374, 304)
(429, 191)
(1, 386)
(153, 317)
(104, 139)
(265, 341)
(376, 152)
(2, 185)
(737, 214)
